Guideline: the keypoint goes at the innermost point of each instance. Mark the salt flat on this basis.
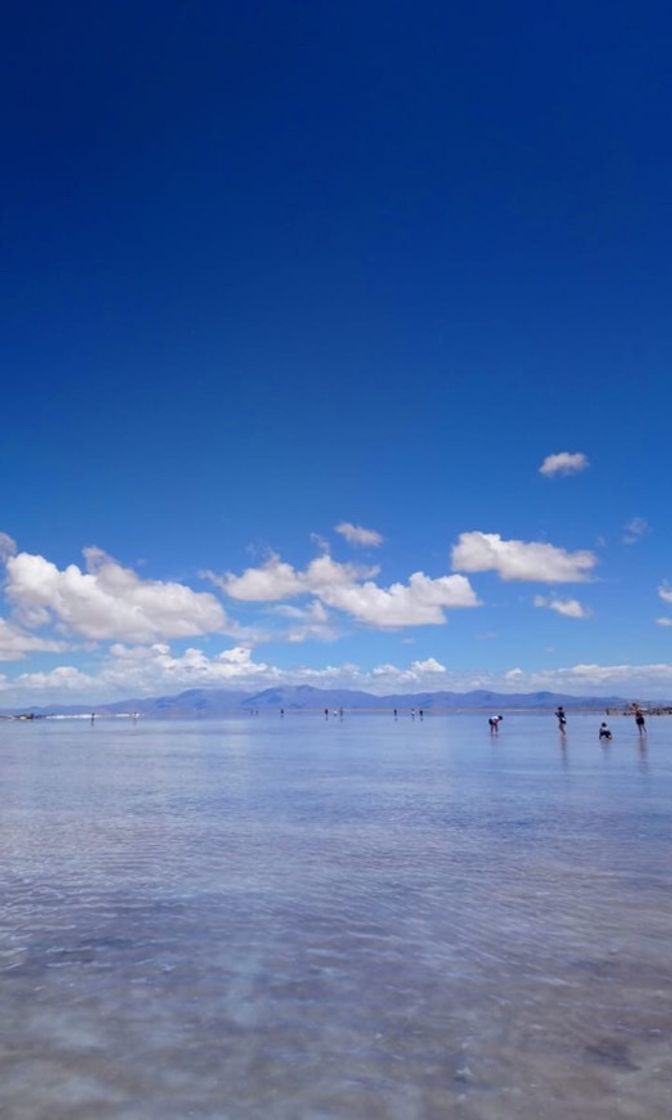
(306, 919)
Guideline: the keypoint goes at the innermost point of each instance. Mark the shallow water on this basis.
(367, 919)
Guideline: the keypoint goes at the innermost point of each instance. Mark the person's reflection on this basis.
(564, 753)
(643, 754)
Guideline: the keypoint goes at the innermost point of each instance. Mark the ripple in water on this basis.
(368, 919)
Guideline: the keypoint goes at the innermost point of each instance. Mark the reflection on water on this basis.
(357, 919)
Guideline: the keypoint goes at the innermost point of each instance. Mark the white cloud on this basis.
(156, 665)
(308, 622)
(15, 643)
(664, 621)
(276, 580)
(63, 679)
(7, 546)
(521, 560)
(584, 678)
(635, 529)
(152, 670)
(565, 462)
(321, 543)
(350, 588)
(429, 665)
(356, 534)
(420, 602)
(665, 592)
(420, 676)
(107, 600)
(569, 608)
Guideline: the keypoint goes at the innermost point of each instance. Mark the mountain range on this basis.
(198, 703)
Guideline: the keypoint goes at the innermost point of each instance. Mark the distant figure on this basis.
(395, 713)
(93, 717)
(282, 713)
(561, 717)
(605, 733)
(421, 713)
(639, 720)
(326, 713)
(340, 713)
(412, 713)
(494, 722)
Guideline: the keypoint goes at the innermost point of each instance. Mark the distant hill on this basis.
(210, 703)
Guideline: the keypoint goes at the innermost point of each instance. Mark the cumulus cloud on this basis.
(276, 580)
(583, 677)
(356, 534)
(564, 462)
(521, 560)
(350, 588)
(416, 670)
(420, 602)
(155, 670)
(152, 665)
(665, 593)
(61, 680)
(107, 600)
(308, 622)
(144, 670)
(7, 546)
(569, 608)
(15, 643)
(151, 670)
(664, 621)
(429, 665)
(635, 529)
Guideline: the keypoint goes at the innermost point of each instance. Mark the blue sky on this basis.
(274, 268)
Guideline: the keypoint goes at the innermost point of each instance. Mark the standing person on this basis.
(639, 720)
(605, 733)
(561, 717)
(395, 713)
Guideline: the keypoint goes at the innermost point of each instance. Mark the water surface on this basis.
(361, 919)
